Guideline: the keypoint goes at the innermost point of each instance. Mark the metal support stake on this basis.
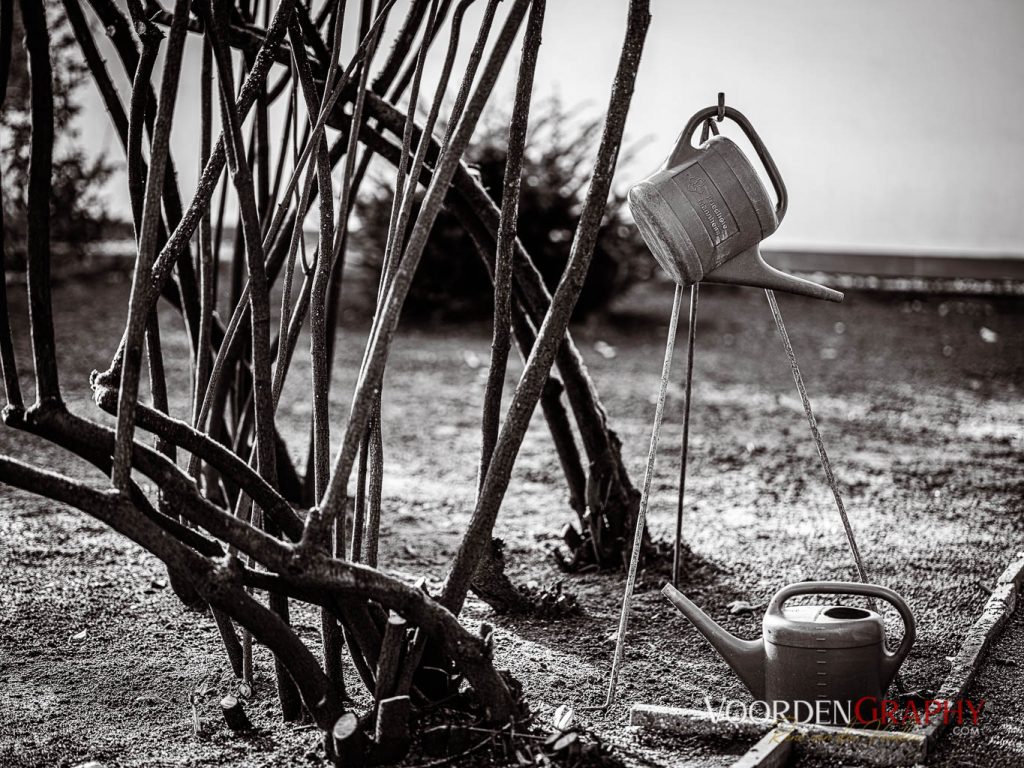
(684, 447)
(685, 443)
(818, 442)
(826, 465)
(638, 535)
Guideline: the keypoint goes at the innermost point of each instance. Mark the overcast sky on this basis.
(898, 125)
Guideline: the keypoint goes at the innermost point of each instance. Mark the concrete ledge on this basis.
(772, 751)
(1014, 572)
(882, 748)
(910, 265)
(964, 668)
(697, 722)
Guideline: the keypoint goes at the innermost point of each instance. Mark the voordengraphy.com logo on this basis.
(868, 711)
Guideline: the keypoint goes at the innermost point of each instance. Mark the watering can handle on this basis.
(685, 150)
(892, 660)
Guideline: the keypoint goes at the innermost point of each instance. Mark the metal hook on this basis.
(721, 106)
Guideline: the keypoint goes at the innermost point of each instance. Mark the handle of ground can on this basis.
(891, 661)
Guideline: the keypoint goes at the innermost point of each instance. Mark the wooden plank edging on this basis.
(885, 748)
(964, 667)
(772, 751)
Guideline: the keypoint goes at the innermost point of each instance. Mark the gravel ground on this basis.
(918, 398)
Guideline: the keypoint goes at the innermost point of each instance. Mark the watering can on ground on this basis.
(705, 212)
(834, 654)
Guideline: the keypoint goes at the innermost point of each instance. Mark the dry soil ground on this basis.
(918, 397)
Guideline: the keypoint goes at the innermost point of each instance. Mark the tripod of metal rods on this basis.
(627, 599)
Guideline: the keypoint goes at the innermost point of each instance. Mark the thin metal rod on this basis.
(822, 455)
(685, 442)
(819, 444)
(638, 535)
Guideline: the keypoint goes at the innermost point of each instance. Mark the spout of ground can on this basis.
(746, 657)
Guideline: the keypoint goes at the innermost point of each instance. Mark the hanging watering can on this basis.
(705, 212)
(834, 654)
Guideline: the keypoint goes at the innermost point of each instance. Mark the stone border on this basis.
(998, 610)
(772, 751)
(884, 748)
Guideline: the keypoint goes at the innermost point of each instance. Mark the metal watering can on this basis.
(812, 653)
(705, 212)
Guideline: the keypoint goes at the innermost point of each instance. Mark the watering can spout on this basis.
(749, 268)
(746, 657)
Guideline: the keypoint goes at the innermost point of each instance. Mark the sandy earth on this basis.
(918, 399)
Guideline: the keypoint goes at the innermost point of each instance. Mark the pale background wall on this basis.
(898, 125)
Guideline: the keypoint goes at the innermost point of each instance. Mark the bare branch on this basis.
(220, 585)
(44, 350)
(259, 294)
(137, 309)
(12, 386)
(227, 463)
(207, 256)
(507, 226)
(552, 330)
(320, 382)
(377, 350)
